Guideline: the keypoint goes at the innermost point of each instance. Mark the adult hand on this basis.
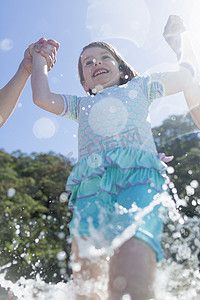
(48, 49)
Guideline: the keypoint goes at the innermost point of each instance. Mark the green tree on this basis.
(179, 136)
(33, 220)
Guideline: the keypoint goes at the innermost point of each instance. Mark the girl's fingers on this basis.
(31, 49)
(48, 50)
(175, 25)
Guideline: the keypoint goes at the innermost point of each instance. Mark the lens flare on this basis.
(64, 197)
(108, 117)
(183, 135)
(94, 160)
(6, 44)
(44, 128)
(119, 20)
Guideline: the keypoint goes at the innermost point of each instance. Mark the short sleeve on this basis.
(71, 107)
(153, 86)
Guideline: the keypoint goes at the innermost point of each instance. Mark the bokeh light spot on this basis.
(6, 44)
(94, 160)
(132, 94)
(108, 117)
(98, 88)
(189, 190)
(170, 170)
(44, 128)
(11, 192)
(61, 255)
(194, 184)
(64, 197)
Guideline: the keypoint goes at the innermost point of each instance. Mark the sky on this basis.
(134, 27)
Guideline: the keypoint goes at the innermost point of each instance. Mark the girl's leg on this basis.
(87, 273)
(132, 271)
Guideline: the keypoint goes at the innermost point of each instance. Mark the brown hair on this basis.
(128, 71)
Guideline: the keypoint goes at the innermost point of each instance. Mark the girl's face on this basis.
(99, 68)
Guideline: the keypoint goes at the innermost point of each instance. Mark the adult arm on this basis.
(10, 93)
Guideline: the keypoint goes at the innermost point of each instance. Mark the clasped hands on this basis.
(47, 48)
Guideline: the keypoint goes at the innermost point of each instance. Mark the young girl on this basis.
(10, 93)
(119, 177)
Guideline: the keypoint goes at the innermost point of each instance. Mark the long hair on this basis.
(128, 71)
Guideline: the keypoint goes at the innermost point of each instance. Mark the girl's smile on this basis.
(99, 68)
(99, 71)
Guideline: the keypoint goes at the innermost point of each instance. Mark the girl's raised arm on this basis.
(42, 96)
(186, 79)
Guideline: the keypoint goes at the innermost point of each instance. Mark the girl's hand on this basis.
(172, 33)
(48, 49)
(165, 158)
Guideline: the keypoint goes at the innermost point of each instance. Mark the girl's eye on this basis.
(89, 62)
(105, 56)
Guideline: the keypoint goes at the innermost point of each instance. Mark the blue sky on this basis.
(135, 27)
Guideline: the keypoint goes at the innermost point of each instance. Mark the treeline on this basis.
(179, 136)
(34, 215)
(33, 206)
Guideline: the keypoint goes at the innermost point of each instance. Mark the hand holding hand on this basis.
(48, 49)
(172, 33)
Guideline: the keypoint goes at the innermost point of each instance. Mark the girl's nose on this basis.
(97, 62)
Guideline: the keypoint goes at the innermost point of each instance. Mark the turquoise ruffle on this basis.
(114, 170)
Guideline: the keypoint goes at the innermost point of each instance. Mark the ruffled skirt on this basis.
(117, 169)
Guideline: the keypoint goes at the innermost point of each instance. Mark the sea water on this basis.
(177, 277)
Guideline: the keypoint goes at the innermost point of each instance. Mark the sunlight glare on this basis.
(119, 20)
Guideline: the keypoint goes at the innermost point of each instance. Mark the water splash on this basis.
(177, 278)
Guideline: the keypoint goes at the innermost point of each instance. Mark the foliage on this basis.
(179, 136)
(33, 220)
